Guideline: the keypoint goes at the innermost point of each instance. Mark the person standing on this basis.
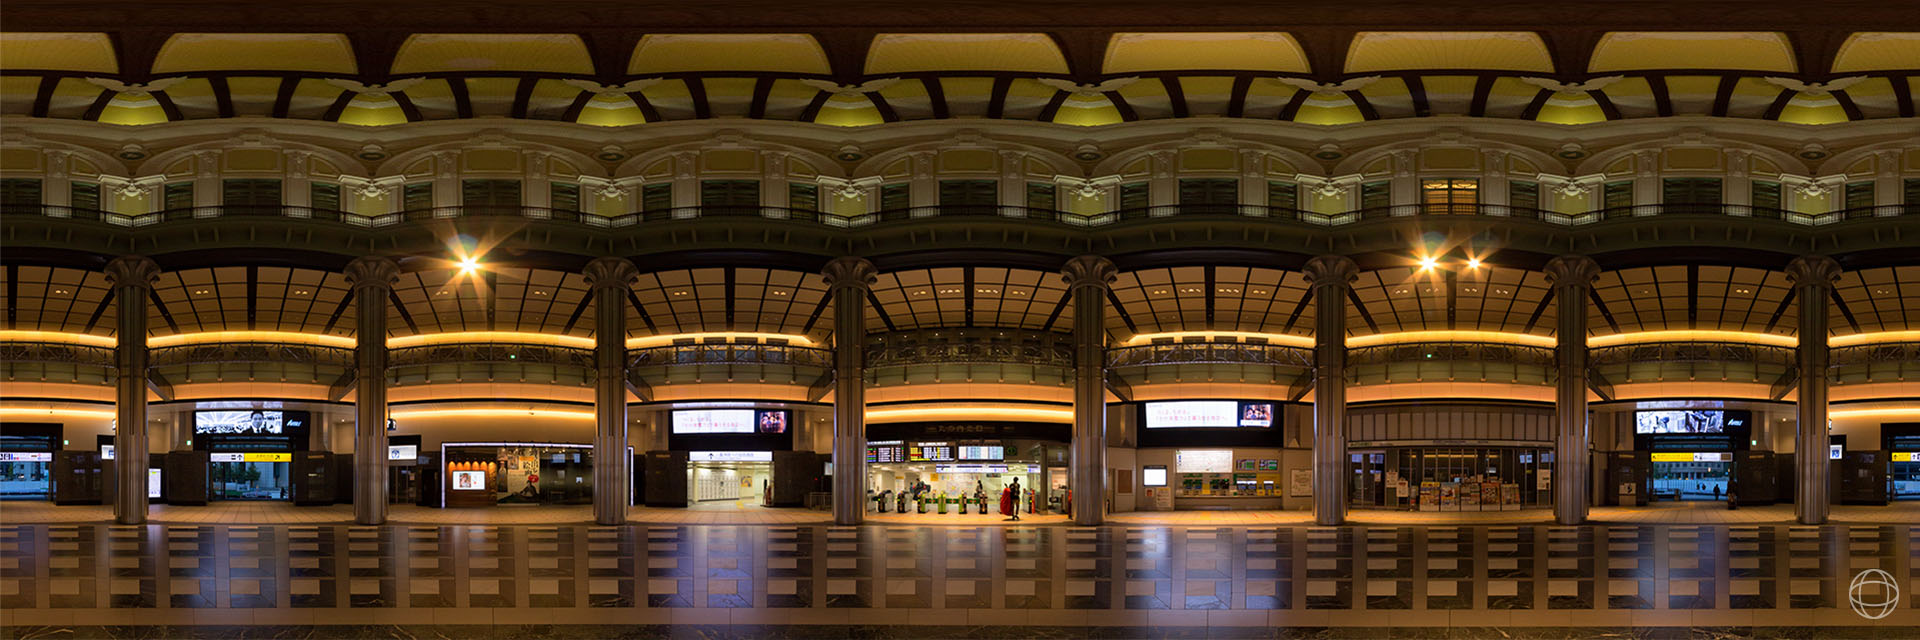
(1016, 500)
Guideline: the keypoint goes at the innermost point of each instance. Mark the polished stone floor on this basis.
(23, 512)
(201, 580)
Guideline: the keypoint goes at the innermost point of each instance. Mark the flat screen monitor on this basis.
(239, 422)
(1208, 414)
(1153, 476)
(106, 452)
(469, 480)
(721, 421)
(1677, 421)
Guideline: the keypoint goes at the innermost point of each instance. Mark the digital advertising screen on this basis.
(406, 452)
(239, 422)
(1154, 476)
(1679, 421)
(1208, 414)
(469, 480)
(711, 421)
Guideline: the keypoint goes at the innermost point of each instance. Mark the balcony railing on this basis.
(730, 354)
(970, 346)
(961, 212)
(1209, 353)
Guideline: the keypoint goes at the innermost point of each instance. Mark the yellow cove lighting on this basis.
(1280, 339)
(22, 412)
(58, 337)
(1744, 337)
(665, 340)
(1884, 412)
(279, 337)
(1879, 337)
(972, 412)
(1415, 337)
(494, 412)
(484, 337)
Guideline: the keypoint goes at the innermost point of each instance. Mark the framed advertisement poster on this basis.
(1300, 483)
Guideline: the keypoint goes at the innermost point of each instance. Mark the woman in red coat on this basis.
(1006, 502)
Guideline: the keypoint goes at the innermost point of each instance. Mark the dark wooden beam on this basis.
(1237, 97)
(762, 89)
(997, 102)
(1482, 91)
(222, 96)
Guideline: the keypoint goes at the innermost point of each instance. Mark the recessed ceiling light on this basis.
(539, 293)
(779, 293)
(1500, 291)
(1159, 292)
(1740, 291)
(200, 292)
(679, 293)
(1259, 292)
(61, 292)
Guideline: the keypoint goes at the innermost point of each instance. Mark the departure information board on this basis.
(886, 452)
(930, 452)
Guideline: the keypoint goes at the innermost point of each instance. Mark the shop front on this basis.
(490, 474)
(1215, 454)
(963, 468)
(1440, 476)
(723, 456)
(1901, 444)
(26, 460)
(1694, 452)
(249, 455)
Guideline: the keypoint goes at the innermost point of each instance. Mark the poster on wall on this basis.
(1203, 460)
(1247, 464)
(1546, 480)
(153, 482)
(1300, 483)
(1270, 465)
(469, 480)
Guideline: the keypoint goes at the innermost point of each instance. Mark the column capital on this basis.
(1572, 271)
(850, 271)
(133, 271)
(1331, 269)
(372, 271)
(611, 273)
(1813, 270)
(1089, 270)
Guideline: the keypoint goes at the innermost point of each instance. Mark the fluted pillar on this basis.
(849, 279)
(610, 280)
(1572, 278)
(1089, 278)
(132, 279)
(372, 279)
(1813, 278)
(1332, 278)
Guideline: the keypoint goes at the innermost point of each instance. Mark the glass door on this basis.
(1367, 482)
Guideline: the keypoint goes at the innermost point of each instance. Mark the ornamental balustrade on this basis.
(970, 346)
(961, 212)
(53, 353)
(728, 354)
(1209, 353)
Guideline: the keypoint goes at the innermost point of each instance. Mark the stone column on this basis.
(849, 279)
(1089, 278)
(132, 279)
(1332, 277)
(372, 279)
(610, 279)
(1813, 278)
(1572, 278)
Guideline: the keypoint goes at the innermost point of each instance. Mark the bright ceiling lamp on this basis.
(667, 339)
(58, 337)
(1417, 337)
(493, 412)
(276, 337)
(971, 412)
(490, 337)
(1693, 335)
(1881, 337)
(1280, 339)
(469, 265)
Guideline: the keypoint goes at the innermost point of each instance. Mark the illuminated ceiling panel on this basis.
(315, 52)
(916, 52)
(762, 300)
(1415, 50)
(56, 299)
(762, 52)
(1668, 298)
(934, 298)
(86, 52)
(1644, 50)
(441, 52)
(1253, 51)
(1484, 299)
(289, 300)
(1244, 299)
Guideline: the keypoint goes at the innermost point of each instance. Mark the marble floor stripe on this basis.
(889, 577)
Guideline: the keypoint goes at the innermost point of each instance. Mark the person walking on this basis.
(1006, 502)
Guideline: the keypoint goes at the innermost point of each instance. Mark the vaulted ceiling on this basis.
(1078, 63)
